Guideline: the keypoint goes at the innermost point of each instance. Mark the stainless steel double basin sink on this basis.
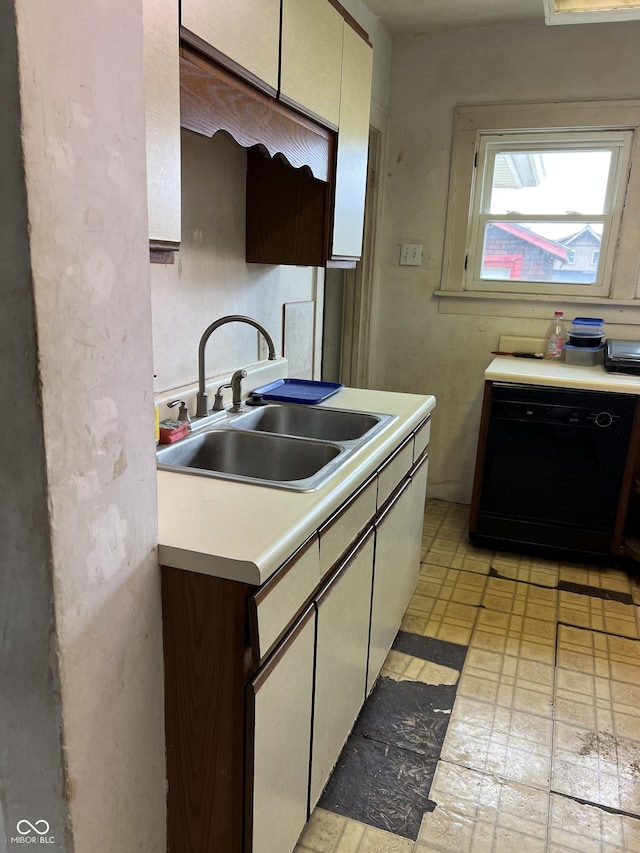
(283, 445)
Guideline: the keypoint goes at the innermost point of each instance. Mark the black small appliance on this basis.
(622, 356)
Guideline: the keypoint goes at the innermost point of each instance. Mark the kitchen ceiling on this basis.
(414, 17)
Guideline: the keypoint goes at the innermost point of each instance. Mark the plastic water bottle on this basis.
(557, 336)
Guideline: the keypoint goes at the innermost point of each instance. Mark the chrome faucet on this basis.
(202, 406)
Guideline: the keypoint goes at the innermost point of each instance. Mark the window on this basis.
(590, 11)
(543, 204)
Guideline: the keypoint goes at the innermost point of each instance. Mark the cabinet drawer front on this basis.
(421, 438)
(339, 531)
(276, 602)
(394, 470)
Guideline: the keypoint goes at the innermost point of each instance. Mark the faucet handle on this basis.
(183, 411)
(218, 404)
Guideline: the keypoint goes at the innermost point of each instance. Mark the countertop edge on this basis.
(560, 375)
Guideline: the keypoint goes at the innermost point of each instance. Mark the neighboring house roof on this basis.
(515, 170)
(587, 231)
(550, 246)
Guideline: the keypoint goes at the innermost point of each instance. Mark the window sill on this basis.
(534, 305)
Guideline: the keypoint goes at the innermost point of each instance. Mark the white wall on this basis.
(211, 278)
(31, 757)
(416, 348)
(81, 85)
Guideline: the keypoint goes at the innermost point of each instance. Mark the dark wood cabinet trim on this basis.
(305, 111)
(212, 100)
(351, 21)
(628, 480)
(204, 617)
(216, 55)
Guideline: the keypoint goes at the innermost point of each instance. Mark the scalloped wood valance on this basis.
(212, 100)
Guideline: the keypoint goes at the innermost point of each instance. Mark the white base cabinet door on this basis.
(397, 565)
(341, 659)
(280, 700)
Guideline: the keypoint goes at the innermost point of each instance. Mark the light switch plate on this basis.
(411, 254)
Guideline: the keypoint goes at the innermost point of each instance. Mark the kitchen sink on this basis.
(283, 445)
(309, 422)
(275, 460)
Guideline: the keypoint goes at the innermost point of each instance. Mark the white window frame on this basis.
(488, 146)
(584, 117)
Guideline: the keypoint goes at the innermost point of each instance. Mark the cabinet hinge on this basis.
(475, 161)
(466, 261)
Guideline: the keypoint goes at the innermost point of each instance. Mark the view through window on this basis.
(546, 207)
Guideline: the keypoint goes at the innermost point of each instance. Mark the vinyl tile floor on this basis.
(506, 716)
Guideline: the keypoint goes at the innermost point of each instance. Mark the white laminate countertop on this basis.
(245, 532)
(532, 371)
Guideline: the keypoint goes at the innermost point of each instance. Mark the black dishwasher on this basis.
(553, 465)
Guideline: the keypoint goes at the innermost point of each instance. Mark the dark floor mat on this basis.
(381, 785)
(428, 648)
(408, 715)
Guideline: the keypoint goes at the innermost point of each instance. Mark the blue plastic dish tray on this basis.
(298, 390)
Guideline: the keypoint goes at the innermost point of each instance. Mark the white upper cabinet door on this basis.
(244, 35)
(310, 75)
(353, 145)
(162, 114)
